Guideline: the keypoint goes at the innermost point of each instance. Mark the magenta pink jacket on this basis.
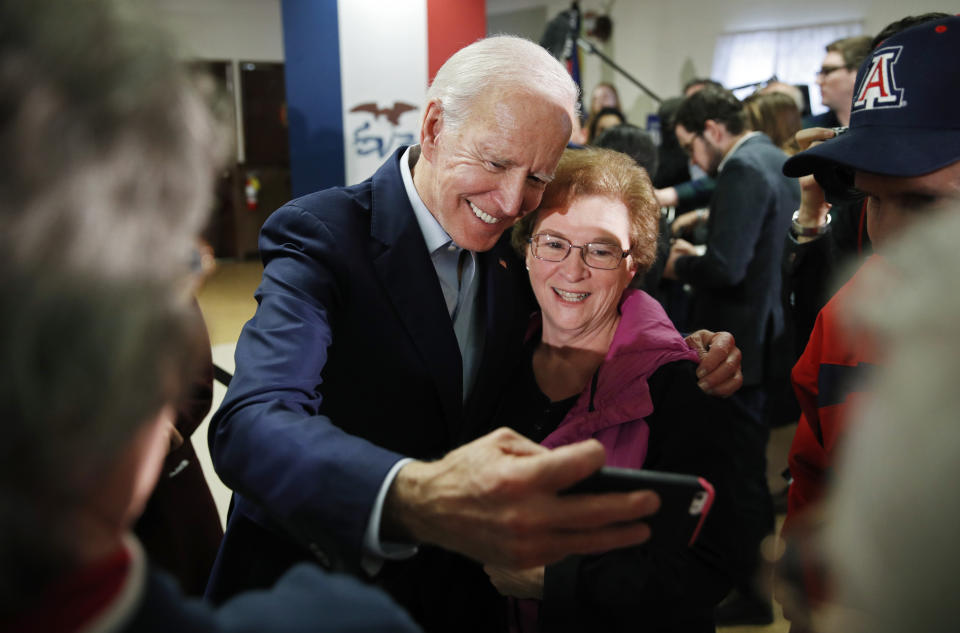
(613, 408)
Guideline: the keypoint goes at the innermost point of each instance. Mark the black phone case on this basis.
(685, 500)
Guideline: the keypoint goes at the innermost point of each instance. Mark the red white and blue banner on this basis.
(357, 72)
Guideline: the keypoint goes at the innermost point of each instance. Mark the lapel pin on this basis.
(503, 263)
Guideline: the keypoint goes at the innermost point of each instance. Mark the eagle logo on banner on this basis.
(879, 86)
(382, 133)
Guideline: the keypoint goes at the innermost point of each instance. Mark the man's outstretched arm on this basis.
(495, 500)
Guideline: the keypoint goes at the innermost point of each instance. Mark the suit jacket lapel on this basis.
(505, 301)
(409, 279)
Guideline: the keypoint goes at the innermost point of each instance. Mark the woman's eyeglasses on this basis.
(602, 255)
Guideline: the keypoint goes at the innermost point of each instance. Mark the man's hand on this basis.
(719, 369)
(495, 500)
(808, 137)
(687, 221)
(679, 248)
(813, 204)
(517, 583)
(666, 197)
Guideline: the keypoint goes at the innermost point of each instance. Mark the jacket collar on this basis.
(409, 279)
(645, 339)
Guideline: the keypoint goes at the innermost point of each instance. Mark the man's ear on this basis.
(430, 128)
(712, 130)
(150, 447)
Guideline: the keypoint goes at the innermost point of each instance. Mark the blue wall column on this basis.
(311, 44)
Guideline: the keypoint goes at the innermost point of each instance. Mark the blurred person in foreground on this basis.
(603, 361)
(889, 536)
(180, 526)
(903, 153)
(108, 156)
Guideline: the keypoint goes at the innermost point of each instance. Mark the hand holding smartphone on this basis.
(685, 500)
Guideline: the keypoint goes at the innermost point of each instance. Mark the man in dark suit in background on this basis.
(736, 281)
(389, 314)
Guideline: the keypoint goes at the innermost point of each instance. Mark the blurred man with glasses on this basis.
(836, 77)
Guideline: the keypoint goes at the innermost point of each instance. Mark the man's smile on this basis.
(485, 217)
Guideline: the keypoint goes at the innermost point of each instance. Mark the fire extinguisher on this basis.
(252, 190)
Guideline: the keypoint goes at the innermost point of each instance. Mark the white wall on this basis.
(527, 22)
(246, 30)
(665, 42)
(661, 42)
(223, 30)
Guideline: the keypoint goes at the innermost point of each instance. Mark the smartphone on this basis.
(685, 500)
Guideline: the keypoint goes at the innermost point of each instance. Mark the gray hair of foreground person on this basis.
(105, 148)
(107, 153)
(498, 63)
(891, 534)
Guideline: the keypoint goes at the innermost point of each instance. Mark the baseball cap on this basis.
(905, 117)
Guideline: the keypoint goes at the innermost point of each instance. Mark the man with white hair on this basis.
(389, 315)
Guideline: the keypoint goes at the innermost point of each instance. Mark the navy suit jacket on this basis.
(305, 600)
(737, 283)
(349, 364)
(146, 600)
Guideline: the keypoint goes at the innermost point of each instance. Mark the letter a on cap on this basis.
(879, 87)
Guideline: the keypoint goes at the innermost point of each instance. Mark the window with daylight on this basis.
(792, 55)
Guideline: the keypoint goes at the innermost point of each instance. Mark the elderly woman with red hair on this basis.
(604, 361)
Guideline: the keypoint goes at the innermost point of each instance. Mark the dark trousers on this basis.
(753, 495)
